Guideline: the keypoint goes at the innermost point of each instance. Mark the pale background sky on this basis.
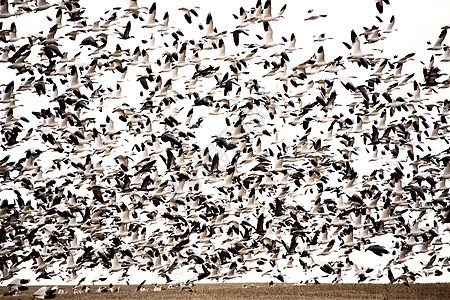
(416, 21)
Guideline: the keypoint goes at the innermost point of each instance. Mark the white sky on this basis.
(416, 22)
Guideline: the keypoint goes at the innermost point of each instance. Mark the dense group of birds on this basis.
(229, 151)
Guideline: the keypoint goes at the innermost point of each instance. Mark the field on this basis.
(262, 291)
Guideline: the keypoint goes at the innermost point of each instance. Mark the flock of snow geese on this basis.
(204, 153)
